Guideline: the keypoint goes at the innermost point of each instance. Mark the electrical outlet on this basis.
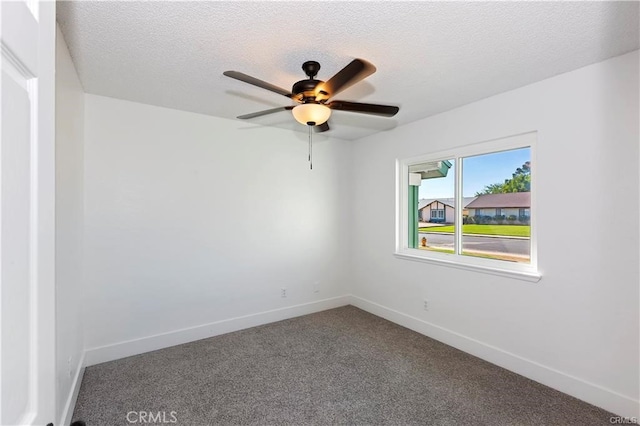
(283, 292)
(426, 304)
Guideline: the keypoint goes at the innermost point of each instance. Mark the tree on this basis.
(520, 182)
(494, 188)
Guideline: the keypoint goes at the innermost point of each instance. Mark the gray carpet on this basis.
(342, 366)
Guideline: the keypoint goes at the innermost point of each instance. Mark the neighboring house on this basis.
(440, 210)
(516, 204)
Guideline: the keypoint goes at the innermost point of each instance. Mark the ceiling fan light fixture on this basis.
(311, 114)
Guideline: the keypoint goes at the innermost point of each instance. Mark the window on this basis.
(480, 204)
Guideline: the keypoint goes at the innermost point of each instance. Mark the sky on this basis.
(477, 172)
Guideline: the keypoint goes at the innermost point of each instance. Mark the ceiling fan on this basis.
(312, 96)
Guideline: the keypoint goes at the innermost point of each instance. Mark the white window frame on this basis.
(527, 272)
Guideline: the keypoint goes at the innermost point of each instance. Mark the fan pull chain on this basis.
(310, 150)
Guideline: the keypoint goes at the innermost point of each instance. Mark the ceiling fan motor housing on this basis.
(306, 88)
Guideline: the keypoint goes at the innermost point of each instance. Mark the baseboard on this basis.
(593, 394)
(147, 344)
(67, 413)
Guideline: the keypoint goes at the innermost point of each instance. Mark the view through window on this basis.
(495, 202)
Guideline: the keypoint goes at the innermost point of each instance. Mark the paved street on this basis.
(489, 244)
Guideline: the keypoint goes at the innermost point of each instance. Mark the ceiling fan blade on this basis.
(256, 82)
(265, 112)
(357, 70)
(322, 127)
(384, 110)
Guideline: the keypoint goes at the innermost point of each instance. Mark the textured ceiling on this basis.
(430, 56)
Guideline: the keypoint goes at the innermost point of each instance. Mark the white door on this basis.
(27, 189)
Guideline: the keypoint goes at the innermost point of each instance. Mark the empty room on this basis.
(319, 213)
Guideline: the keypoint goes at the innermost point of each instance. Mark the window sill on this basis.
(520, 275)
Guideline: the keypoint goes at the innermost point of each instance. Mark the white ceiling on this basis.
(430, 56)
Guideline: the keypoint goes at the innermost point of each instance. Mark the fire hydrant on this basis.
(424, 241)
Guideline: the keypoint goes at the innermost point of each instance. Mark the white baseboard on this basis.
(594, 394)
(70, 403)
(147, 344)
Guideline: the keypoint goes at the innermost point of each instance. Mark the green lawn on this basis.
(507, 230)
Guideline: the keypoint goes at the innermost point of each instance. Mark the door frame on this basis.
(28, 48)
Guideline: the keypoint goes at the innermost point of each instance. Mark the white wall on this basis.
(576, 329)
(69, 227)
(193, 220)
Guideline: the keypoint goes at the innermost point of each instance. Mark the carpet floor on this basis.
(338, 367)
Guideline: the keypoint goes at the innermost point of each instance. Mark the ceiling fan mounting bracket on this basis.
(311, 68)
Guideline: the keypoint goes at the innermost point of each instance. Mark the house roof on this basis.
(448, 201)
(509, 200)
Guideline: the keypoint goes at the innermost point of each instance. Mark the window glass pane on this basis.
(436, 206)
(497, 198)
